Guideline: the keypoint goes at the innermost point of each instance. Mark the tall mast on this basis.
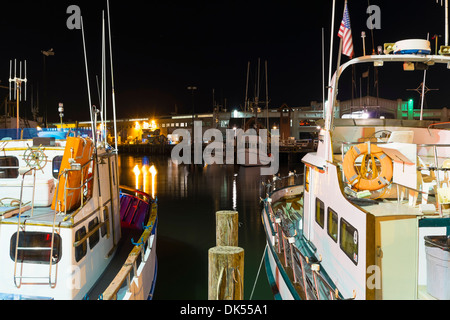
(102, 103)
(267, 100)
(112, 77)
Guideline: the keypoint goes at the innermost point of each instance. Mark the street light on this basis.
(192, 88)
(61, 113)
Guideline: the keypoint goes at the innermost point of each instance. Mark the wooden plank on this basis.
(13, 212)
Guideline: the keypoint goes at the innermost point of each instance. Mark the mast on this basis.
(331, 45)
(112, 77)
(267, 100)
(102, 99)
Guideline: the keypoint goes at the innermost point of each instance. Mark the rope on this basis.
(257, 275)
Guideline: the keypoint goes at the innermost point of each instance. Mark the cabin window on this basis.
(332, 224)
(9, 167)
(320, 212)
(93, 239)
(56, 164)
(349, 240)
(34, 247)
(80, 250)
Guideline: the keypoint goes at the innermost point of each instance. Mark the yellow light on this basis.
(137, 172)
(153, 172)
(146, 125)
(137, 126)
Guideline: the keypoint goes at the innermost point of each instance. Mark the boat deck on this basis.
(38, 216)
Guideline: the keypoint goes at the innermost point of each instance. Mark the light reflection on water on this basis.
(188, 198)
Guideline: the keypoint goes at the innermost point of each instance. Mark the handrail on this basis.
(83, 184)
(311, 278)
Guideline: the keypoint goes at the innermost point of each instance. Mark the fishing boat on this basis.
(68, 229)
(371, 217)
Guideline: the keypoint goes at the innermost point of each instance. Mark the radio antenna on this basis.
(18, 81)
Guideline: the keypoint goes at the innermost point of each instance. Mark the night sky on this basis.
(162, 47)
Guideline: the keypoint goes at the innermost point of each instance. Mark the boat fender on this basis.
(356, 179)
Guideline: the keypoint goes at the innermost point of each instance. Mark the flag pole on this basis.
(331, 45)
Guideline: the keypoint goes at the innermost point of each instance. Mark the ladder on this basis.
(21, 233)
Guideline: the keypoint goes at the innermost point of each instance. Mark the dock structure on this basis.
(226, 260)
(298, 126)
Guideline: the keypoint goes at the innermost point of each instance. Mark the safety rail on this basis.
(277, 182)
(84, 184)
(130, 268)
(305, 270)
(24, 172)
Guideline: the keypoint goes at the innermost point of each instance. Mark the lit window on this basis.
(320, 212)
(332, 224)
(349, 240)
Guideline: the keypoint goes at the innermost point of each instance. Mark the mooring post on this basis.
(227, 228)
(226, 273)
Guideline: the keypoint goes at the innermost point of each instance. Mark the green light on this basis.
(410, 104)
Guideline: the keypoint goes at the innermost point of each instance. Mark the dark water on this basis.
(188, 198)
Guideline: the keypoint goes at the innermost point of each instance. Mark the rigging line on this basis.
(259, 270)
(87, 78)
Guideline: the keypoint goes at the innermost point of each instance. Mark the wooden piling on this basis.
(227, 228)
(226, 273)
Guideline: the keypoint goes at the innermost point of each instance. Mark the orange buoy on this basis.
(68, 194)
(361, 181)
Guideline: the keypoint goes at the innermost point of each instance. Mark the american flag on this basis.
(345, 33)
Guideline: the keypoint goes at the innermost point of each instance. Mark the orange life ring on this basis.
(364, 183)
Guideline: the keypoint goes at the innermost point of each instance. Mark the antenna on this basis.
(446, 20)
(17, 86)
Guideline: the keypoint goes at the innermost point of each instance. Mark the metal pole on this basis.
(331, 45)
(112, 77)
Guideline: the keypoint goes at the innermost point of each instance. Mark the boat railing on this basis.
(85, 186)
(305, 270)
(131, 267)
(277, 182)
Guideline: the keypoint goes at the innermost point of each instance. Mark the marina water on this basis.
(188, 198)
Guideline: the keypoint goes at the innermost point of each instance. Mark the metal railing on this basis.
(306, 272)
(84, 185)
